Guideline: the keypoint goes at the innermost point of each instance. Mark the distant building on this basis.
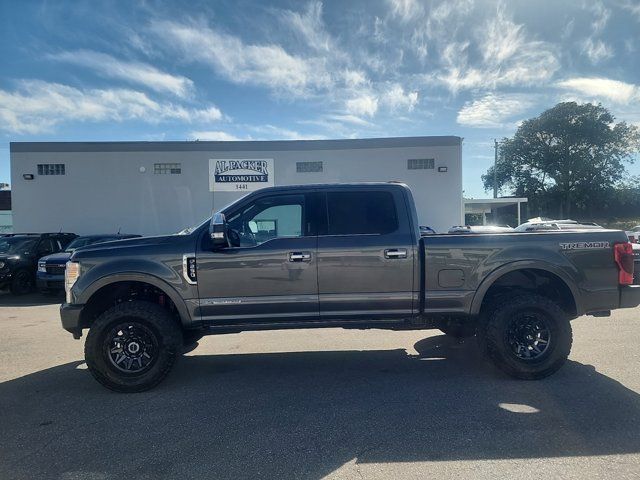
(162, 187)
(6, 222)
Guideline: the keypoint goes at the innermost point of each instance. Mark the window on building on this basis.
(51, 169)
(358, 213)
(167, 168)
(421, 163)
(307, 167)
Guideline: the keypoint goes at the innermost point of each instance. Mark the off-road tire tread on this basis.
(490, 341)
(170, 338)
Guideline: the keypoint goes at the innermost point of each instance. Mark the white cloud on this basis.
(596, 50)
(38, 106)
(397, 98)
(508, 57)
(132, 72)
(266, 65)
(309, 26)
(346, 118)
(602, 88)
(493, 110)
(214, 135)
(632, 6)
(406, 10)
(272, 132)
(354, 78)
(601, 16)
(365, 104)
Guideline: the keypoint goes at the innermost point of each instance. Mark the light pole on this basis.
(495, 168)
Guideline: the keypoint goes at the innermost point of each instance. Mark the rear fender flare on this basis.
(490, 279)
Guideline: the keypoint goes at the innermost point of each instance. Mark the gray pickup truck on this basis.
(347, 256)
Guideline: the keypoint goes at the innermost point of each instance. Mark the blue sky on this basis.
(249, 69)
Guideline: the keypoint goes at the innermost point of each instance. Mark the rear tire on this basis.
(528, 337)
(22, 282)
(132, 347)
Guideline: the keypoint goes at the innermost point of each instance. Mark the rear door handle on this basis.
(299, 256)
(395, 253)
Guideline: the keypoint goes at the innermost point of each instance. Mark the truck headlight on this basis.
(71, 274)
(42, 267)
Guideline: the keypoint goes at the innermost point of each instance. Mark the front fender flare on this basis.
(157, 282)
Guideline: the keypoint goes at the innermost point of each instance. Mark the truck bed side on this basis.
(576, 267)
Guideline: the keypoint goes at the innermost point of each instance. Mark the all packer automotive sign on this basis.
(240, 174)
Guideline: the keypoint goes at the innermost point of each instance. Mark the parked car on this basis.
(636, 263)
(480, 229)
(19, 254)
(50, 275)
(425, 230)
(541, 224)
(348, 256)
(634, 234)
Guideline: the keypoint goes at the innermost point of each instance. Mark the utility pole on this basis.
(495, 167)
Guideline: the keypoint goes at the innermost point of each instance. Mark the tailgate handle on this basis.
(299, 256)
(395, 253)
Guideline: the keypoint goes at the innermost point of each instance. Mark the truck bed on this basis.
(457, 266)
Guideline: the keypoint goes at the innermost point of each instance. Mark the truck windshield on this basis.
(16, 245)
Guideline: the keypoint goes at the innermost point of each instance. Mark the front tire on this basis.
(528, 337)
(22, 282)
(132, 346)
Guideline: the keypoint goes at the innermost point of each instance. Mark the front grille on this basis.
(55, 269)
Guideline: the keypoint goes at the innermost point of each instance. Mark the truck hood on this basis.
(59, 258)
(117, 245)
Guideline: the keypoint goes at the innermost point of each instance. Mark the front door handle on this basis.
(299, 256)
(395, 253)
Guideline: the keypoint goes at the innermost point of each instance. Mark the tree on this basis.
(566, 158)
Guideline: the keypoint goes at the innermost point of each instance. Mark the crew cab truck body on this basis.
(338, 256)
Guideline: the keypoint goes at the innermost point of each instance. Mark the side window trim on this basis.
(303, 215)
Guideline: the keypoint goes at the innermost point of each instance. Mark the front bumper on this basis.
(47, 282)
(629, 296)
(70, 315)
(5, 278)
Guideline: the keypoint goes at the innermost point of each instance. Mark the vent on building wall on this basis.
(306, 167)
(167, 168)
(51, 169)
(421, 163)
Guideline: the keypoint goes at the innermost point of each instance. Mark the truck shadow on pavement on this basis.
(30, 300)
(307, 414)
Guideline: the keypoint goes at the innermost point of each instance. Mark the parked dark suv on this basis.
(50, 274)
(19, 254)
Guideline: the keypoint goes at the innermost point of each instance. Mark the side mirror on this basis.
(218, 231)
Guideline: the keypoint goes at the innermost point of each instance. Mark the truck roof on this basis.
(322, 186)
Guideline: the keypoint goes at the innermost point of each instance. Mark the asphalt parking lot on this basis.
(319, 403)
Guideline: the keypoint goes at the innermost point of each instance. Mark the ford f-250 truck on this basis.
(346, 256)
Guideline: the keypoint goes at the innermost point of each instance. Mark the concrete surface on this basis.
(319, 403)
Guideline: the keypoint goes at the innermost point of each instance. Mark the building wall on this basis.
(105, 191)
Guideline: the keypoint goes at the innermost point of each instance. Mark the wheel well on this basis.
(532, 280)
(126, 291)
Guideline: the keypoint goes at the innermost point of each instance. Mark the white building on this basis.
(162, 187)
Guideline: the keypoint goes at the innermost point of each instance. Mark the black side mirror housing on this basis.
(218, 231)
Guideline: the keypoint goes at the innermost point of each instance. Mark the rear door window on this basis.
(361, 213)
